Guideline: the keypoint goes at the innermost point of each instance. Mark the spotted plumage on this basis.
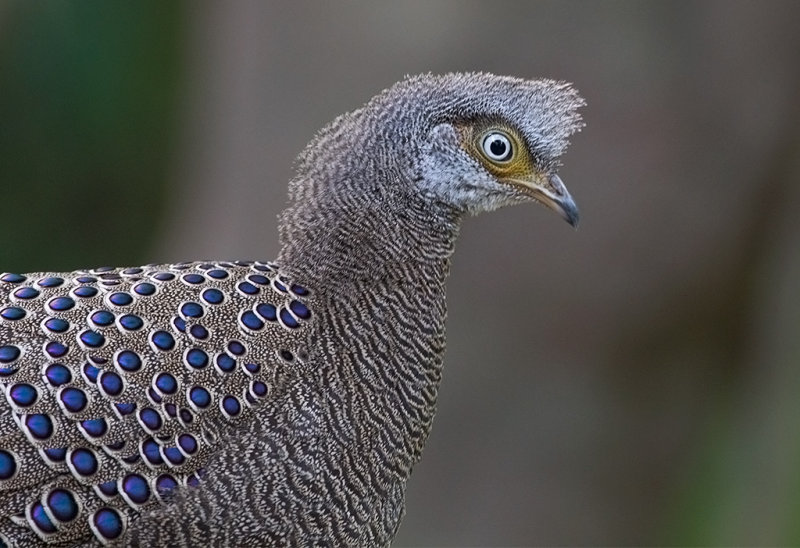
(252, 403)
(121, 383)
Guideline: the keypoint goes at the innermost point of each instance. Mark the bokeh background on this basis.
(635, 382)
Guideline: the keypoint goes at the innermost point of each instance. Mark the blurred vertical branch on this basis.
(87, 101)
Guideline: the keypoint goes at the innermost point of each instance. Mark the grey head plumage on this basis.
(260, 403)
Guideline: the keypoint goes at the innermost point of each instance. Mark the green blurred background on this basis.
(636, 382)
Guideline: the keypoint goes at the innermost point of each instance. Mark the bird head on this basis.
(490, 141)
(419, 155)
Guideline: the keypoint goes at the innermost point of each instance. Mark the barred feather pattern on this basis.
(327, 463)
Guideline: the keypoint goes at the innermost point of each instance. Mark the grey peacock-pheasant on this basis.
(261, 403)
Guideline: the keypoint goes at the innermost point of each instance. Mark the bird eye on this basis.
(497, 147)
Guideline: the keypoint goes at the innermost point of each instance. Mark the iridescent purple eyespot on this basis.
(54, 349)
(154, 396)
(217, 274)
(287, 319)
(57, 374)
(56, 325)
(83, 461)
(92, 339)
(95, 428)
(150, 418)
(166, 383)
(90, 372)
(267, 311)
(300, 310)
(73, 399)
(13, 278)
(212, 296)
(109, 488)
(40, 426)
(85, 292)
(192, 310)
(102, 318)
(299, 290)
(259, 389)
(56, 454)
(179, 324)
(279, 286)
(194, 279)
(120, 299)
(186, 416)
(8, 465)
(174, 456)
(144, 289)
(163, 340)
(62, 505)
(247, 288)
(9, 353)
(196, 358)
(231, 406)
(258, 279)
(150, 452)
(225, 363)
(136, 488)
(188, 443)
(111, 383)
(13, 313)
(128, 360)
(26, 293)
(131, 322)
(236, 348)
(165, 483)
(61, 304)
(251, 321)
(52, 281)
(40, 518)
(198, 332)
(125, 408)
(200, 397)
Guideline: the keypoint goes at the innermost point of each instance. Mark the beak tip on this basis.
(563, 202)
(570, 213)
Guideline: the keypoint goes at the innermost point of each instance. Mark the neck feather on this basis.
(335, 243)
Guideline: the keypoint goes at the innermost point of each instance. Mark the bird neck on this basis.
(381, 273)
(340, 245)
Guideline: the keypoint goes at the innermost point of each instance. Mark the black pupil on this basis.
(498, 147)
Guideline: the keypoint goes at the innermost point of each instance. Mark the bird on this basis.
(281, 402)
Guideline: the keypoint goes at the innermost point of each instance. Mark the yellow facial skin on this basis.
(519, 169)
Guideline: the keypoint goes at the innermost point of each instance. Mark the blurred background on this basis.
(635, 382)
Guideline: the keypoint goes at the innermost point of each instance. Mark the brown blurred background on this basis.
(636, 382)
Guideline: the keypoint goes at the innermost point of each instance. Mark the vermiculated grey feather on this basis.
(258, 403)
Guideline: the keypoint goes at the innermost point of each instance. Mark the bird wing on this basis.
(120, 383)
